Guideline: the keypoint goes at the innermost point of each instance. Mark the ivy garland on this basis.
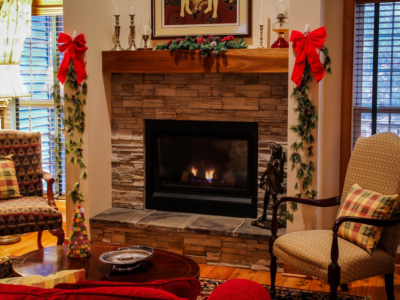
(74, 127)
(206, 45)
(306, 123)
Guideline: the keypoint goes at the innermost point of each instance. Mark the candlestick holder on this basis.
(145, 31)
(261, 37)
(117, 31)
(145, 38)
(132, 47)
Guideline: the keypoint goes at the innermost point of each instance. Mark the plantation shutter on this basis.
(377, 69)
(40, 59)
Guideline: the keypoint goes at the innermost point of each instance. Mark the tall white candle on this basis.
(262, 13)
(116, 11)
(132, 10)
(145, 29)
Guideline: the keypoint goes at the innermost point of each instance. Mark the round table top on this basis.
(164, 265)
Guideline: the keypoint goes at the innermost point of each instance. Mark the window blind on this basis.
(40, 59)
(377, 69)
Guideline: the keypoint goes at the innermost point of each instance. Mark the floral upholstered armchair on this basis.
(375, 166)
(32, 212)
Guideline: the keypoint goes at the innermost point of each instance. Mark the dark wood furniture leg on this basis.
(59, 233)
(344, 287)
(274, 231)
(389, 284)
(39, 240)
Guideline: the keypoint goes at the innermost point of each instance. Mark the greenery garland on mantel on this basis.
(307, 119)
(215, 44)
(74, 127)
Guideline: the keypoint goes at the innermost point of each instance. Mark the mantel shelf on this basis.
(184, 61)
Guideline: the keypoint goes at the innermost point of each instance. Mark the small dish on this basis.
(128, 258)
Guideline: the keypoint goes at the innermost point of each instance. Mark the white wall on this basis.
(91, 18)
(327, 97)
(95, 19)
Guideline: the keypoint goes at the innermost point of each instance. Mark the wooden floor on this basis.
(373, 287)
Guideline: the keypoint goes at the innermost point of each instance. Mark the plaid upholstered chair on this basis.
(375, 166)
(31, 212)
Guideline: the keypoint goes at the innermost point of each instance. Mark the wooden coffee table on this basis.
(163, 265)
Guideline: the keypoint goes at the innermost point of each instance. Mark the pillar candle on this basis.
(145, 30)
(132, 10)
(116, 11)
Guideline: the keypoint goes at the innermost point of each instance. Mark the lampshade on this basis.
(15, 26)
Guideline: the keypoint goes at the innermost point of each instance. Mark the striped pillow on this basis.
(9, 188)
(366, 204)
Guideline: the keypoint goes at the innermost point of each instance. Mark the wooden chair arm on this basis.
(366, 221)
(313, 202)
(50, 181)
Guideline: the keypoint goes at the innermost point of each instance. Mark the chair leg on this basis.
(273, 270)
(344, 287)
(389, 283)
(333, 295)
(39, 240)
(59, 233)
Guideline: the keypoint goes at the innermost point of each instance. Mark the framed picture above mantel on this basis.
(177, 18)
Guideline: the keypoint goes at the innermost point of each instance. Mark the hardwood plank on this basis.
(185, 61)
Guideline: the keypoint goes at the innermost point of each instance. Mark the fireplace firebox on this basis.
(202, 167)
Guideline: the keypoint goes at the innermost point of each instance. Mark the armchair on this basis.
(32, 212)
(374, 165)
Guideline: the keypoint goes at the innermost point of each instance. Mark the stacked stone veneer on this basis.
(244, 250)
(261, 98)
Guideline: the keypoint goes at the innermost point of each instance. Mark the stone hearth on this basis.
(213, 240)
(258, 98)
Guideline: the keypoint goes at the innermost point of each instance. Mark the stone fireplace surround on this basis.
(261, 98)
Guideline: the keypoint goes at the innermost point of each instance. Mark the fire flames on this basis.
(209, 173)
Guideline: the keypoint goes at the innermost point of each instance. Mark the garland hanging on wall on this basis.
(215, 44)
(72, 74)
(307, 63)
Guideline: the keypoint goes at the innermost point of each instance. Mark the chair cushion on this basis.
(187, 288)
(367, 204)
(9, 292)
(310, 252)
(28, 214)
(9, 188)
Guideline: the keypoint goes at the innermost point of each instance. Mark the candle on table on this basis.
(145, 30)
(116, 11)
(262, 13)
(132, 10)
(74, 35)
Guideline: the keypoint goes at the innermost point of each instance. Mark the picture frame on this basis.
(171, 19)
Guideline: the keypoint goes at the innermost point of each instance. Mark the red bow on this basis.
(305, 48)
(74, 49)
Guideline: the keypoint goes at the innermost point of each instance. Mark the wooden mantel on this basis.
(233, 61)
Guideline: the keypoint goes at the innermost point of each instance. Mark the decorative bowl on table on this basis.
(128, 258)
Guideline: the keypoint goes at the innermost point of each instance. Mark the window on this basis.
(377, 69)
(40, 59)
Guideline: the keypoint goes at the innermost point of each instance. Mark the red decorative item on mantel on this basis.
(74, 48)
(305, 46)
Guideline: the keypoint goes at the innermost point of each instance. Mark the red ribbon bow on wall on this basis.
(305, 48)
(74, 49)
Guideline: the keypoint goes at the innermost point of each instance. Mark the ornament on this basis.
(305, 49)
(79, 244)
(73, 50)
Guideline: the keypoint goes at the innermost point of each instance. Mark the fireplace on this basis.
(202, 167)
